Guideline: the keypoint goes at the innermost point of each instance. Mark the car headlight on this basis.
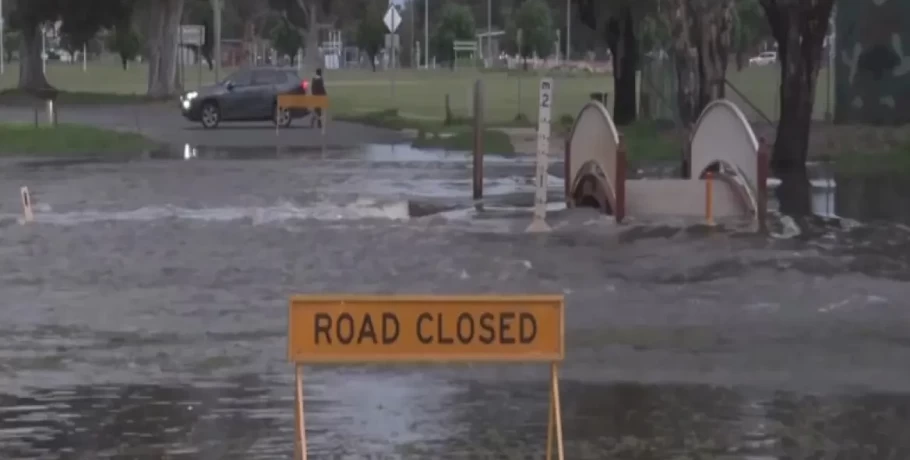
(191, 95)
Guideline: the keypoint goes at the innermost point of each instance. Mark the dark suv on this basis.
(247, 95)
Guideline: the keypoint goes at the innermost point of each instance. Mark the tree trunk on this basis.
(164, 24)
(31, 70)
(800, 29)
(623, 46)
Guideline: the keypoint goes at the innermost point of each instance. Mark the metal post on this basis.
(84, 55)
(2, 41)
(568, 30)
(478, 143)
(489, 59)
(426, 34)
(216, 34)
(43, 51)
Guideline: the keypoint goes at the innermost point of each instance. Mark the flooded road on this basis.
(143, 316)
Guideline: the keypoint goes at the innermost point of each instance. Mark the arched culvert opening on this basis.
(589, 193)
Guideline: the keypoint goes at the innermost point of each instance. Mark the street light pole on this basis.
(568, 29)
(489, 59)
(426, 34)
(2, 44)
(216, 34)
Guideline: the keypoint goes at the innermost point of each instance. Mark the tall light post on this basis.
(568, 29)
(216, 34)
(426, 34)
(489, 59)
(2, 44)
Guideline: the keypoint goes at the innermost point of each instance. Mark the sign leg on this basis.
(277, 118)
(550, 418)
(301, 425)
(557, 413)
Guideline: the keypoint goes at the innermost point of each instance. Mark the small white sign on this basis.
(392, 19)
(544, 108)
(191, 34)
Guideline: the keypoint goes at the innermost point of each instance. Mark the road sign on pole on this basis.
(392, 19)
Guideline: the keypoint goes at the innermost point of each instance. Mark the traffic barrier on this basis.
(325, 329)
(303, 101)
(27, 214)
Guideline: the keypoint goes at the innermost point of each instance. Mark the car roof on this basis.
(269, 69)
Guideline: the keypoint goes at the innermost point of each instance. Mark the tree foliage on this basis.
(535, 20)
(455, 23)
(286, 40)
(371, 32)
(126, 42)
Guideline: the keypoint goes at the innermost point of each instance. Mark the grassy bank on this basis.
(16, 97)
(893, 161)
(68, 140)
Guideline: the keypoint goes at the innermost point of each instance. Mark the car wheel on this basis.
(211, 115)
(282, 118)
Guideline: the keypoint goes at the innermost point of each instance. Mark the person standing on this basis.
(318, 89)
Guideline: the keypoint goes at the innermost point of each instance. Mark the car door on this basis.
(232, 101)
(262, 99)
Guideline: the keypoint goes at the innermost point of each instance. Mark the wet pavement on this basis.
(143, 315)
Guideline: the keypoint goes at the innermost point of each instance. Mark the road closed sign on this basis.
(327, 328)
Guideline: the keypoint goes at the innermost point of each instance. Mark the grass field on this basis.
(66, 139)
(418, 94)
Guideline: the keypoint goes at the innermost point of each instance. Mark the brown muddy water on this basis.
(143, 316)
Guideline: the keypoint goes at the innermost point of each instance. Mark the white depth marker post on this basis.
(539, 224)
(27, 214)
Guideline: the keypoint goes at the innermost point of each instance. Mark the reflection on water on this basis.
(874, 197)
(623, 420)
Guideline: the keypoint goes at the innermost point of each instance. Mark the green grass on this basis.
(893, 161)
(418, 94)
(68, 140)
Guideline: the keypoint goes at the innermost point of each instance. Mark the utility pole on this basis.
(568, 30)
(426, 34)
(413, 35)
(2, 44)
(489, 59)
(216, 34)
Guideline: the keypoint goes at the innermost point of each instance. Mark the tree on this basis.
(162, 30)
(535, 21)
(455, 23)
(617, 23)
(81, 21)
(701, 35)
(125, 41)
(13, 39)
(800, 27)
(286, 40)
(371, 33)
(750, 31)
(306, 15)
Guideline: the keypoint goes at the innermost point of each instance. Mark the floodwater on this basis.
(143, 315)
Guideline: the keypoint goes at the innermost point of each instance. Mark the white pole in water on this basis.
(539, 223)
(27, 214)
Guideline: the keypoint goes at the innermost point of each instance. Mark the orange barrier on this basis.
(325, 329)
(302, 101)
